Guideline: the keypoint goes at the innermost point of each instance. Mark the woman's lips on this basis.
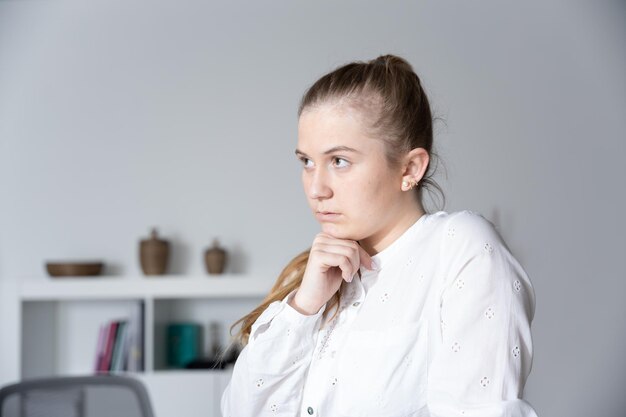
(327, 216)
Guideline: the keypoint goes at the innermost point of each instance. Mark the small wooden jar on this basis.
(215, 258)
(154, 254)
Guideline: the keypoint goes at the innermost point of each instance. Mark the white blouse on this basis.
(441, 329)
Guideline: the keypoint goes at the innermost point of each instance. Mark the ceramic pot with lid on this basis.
(215, 258)
(154, 254)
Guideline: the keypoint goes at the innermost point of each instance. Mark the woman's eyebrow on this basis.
(331, 150)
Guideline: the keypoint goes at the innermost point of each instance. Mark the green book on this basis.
(118, 346)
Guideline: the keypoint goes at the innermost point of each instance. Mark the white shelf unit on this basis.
(60, 319)
(119, 287)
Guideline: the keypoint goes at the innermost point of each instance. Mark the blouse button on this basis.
(484, 382)
(310, 410)
(489, 313)
(517, 285)
(356, 304)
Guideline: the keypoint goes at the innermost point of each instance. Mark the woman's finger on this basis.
(348, 251)
(329, 260)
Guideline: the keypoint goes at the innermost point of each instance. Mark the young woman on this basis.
(393, 311)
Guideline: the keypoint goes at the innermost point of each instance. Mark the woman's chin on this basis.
(336, 231)
(331, 229)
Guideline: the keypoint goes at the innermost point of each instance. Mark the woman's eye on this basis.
(341, 159)
(338, 162)
(304, 161)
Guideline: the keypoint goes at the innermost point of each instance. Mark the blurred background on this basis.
(120, 116)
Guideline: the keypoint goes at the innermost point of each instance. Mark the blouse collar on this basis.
(386, 256)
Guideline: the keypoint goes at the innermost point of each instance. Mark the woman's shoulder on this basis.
(468, 230)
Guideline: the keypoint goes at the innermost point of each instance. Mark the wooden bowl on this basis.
(74, 269)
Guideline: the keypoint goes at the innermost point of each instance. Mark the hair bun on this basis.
(392, 61)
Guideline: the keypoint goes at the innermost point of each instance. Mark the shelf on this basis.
(60, 320)
(165, 373)
(155, 287)
(183, 372)
(190, 393)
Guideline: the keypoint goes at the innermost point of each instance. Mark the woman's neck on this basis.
(387, 235)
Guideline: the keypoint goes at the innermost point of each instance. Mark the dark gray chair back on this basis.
(76, 396)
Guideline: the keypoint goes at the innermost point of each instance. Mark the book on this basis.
(136, 344)
(117, 346)
(106, 363)
(100, 347)
(120, 345)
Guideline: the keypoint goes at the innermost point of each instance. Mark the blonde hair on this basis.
(388, 90)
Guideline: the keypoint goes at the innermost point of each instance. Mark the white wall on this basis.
(116, 116)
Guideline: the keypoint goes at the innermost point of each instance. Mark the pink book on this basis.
(109, 346)
(100, 348)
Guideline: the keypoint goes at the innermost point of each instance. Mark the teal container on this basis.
(183, 343)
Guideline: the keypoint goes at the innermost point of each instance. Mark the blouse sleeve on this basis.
(268, 376)
(484, 353)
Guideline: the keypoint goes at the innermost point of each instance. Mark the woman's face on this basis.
(345, 173)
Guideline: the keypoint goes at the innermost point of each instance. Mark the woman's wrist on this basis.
(303, 307)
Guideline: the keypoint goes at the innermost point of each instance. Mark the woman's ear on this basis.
(415, 164)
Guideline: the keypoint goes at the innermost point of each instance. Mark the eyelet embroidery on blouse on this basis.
(490, 313)
(408, 360)
(488, 248)
(516, 351)
(517, 285)
(327, 337)
(484, 382)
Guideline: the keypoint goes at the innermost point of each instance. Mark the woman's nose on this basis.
(319, 186)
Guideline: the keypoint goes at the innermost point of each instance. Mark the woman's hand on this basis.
(331, 260)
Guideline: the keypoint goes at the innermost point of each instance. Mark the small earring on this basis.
(413, 184)
(405, 183)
